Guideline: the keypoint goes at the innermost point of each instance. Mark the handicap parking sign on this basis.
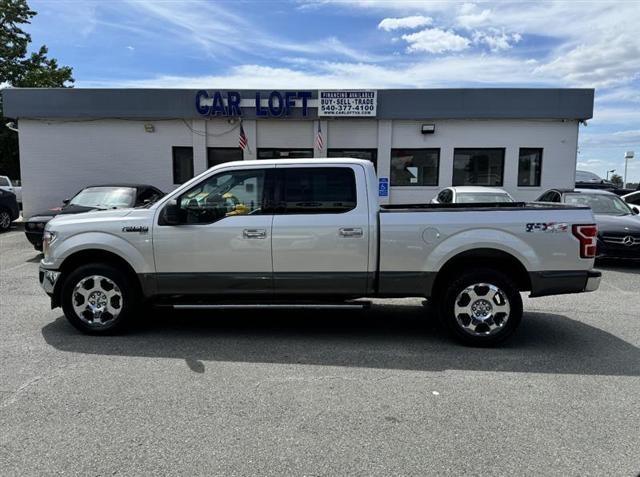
(383, 187)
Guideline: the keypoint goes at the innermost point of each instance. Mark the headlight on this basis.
(47, 239)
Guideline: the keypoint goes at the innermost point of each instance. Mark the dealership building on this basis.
(420, 140)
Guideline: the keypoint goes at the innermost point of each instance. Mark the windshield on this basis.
(585, 176)
(105, 197)
(479, 197)
(600, 203)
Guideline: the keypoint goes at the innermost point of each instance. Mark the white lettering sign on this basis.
(347, 103)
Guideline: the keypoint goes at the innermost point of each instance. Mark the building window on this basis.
(414, 167)
(310, 190)
(264, 153)
(529, 167)
(182, 164)
(484, 167)
(220, 155)
(367, 154)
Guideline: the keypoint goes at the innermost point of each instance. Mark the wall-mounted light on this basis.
(148, 127)
(428, 128)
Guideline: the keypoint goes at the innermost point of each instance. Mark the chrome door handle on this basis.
(254, 233)
(350, 232)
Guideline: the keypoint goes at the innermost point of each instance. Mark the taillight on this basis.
(587, 235)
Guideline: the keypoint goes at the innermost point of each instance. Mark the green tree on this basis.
(22, 70)
(617, 180)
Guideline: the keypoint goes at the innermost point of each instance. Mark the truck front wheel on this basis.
(98, 299)
(481, 307)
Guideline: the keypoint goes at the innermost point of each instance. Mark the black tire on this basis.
(493, 325)
(5, 220)
(124, 308)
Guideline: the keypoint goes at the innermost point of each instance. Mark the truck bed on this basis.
(477, 206)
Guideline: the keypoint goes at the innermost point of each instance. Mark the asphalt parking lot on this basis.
(379, 392)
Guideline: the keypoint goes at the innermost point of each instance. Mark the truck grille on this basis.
(629, 240)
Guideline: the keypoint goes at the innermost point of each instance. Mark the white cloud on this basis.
(390, 24)
(435, 73)
(496, 40)
(471, 18)
(607, 61)
(222, 32)
(435, 40)
(630, 138)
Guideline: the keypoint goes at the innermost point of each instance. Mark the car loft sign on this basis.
(347, 103)
(342, 103)
(229, 103)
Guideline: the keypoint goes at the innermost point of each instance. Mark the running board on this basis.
(275, 306)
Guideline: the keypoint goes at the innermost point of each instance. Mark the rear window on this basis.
(606, 204)
(483, 197)
(311, 190)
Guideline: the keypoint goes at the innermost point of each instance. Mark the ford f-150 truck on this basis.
(312, 233)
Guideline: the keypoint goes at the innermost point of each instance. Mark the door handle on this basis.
(254, 233)
(350, 232)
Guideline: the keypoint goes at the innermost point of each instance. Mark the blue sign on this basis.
(278, 104)
(383, 187)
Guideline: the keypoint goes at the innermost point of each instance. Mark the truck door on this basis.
(223, 242)
(320, 231)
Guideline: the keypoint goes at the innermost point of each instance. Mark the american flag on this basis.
(319, 139)
(243, 142)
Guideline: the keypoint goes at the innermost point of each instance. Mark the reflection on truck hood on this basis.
(69, 209)
(94, 215)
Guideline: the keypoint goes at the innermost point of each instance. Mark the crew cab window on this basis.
(4, 182)
(311, 190)
(226, 194)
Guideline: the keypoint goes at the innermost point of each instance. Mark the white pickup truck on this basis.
(312, 233)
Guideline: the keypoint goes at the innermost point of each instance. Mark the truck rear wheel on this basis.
(481, 307)
(99, 299)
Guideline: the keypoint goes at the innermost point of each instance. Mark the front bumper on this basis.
(48, 280)
(564, 282)
(618, 250)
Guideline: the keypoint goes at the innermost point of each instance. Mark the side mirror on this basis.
(635, 210)
(172, 213)
(66, 201)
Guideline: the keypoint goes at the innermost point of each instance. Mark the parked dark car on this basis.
(589, 180)
(618, 222)
(9, 210)
(97, 197)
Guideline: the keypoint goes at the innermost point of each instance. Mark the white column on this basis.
(251, 130)
(199, 128)
(385, 130)
(325, 137)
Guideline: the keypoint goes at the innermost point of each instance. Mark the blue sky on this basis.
(365, 43)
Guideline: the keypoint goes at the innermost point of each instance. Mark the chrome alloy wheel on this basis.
(5, 220)
(482, 309)
(97, 300)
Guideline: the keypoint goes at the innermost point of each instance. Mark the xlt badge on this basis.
(136, 228)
